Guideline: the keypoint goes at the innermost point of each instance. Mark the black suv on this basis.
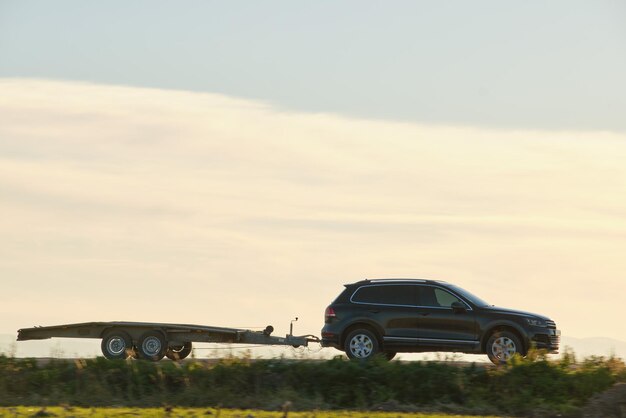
(408, 315)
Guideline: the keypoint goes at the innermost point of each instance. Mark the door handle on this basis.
(425, 313)
(374, 310)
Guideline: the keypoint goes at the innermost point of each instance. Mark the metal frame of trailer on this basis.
(153, 341)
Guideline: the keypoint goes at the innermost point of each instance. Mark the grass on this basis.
(67, 412)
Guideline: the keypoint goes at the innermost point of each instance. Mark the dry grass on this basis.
(67, 412)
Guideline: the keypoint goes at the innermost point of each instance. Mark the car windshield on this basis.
(467, 295)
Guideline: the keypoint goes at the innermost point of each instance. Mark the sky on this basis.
(235, 164)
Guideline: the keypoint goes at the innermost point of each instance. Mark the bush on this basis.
(524, 386)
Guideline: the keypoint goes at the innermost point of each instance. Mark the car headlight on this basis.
(536, 322)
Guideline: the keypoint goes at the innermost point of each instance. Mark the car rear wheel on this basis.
(361, 344)
(502, 346)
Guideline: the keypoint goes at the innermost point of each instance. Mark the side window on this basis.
(428, 297)
(387, 295)
(435, 297)
(367, 294)
(444, 298)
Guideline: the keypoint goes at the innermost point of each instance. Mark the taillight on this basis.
(329, 314)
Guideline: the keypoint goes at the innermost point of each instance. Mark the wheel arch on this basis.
(369, 325)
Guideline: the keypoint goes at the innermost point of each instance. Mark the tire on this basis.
(152, 346)
(116, 345)
(502, 346)
(179, 352)
(389, 355)
(361, 344)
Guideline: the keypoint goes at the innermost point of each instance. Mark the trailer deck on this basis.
(153, 341)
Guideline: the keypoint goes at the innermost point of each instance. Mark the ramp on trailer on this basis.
(153, 341)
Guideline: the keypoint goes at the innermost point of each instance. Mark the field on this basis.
(67, 412)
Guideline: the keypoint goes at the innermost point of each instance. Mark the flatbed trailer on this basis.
(153, 341)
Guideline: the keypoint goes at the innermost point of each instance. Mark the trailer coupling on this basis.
(265, 337)
(298, 341)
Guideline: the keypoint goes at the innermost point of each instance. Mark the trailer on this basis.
(153, 341)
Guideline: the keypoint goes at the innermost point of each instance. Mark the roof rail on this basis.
(398, 279)
(395, 279)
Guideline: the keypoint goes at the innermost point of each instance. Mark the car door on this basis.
(391, 305)
(439, 322)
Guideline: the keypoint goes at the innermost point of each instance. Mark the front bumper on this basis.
(547, 339)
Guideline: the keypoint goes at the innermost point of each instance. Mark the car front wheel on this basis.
(361, 344)
(502, 346)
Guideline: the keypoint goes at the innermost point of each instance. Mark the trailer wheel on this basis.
(116, 344)
(152, 346)
(178, 352)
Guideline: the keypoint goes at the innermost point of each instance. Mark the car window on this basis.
(427, 297)
(391, 294)
(467, 295)
(436, 297)
(445, 299)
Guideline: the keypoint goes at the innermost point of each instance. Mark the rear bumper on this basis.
(331, 337)
(330, 341)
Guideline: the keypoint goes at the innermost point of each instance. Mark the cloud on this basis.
(131, 203)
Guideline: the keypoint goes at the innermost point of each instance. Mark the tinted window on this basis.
(464, 293)
(387, 294)
(435, 297)
(445, 299)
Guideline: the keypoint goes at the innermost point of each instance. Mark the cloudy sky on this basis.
(232, 164)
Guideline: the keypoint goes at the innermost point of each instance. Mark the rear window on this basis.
(391, 294)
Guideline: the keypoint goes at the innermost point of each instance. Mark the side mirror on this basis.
(458, 307)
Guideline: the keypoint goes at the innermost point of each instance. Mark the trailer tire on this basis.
(116, 344)
(152, 346)
(178, 352)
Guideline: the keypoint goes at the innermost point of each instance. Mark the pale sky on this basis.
(536, 64)
(159, 163)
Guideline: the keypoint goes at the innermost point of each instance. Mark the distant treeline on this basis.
(526, 386)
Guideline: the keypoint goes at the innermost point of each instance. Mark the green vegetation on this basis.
(67, 411)
(526, 386)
